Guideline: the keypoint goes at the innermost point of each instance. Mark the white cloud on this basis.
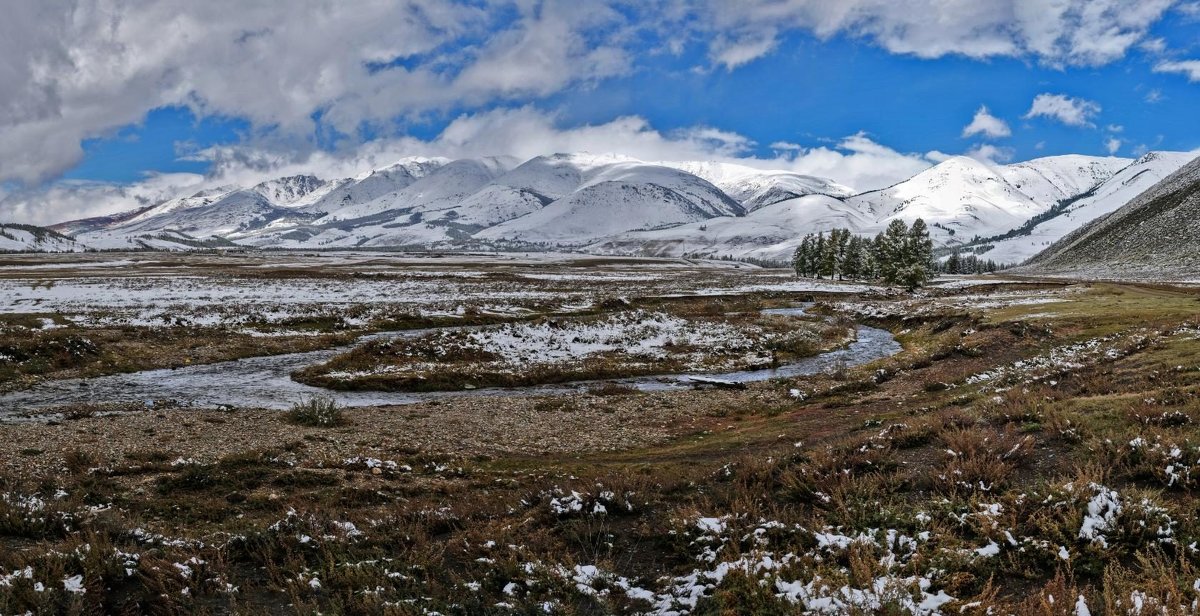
(75, 69)
(71, 200)
(786, 146)
(1112, 145)
(1190, 68)
(734, 52)
(526, 132)
(1154, 96)
(1056, 32)
(989, 153)
(78, 69)
(1068, 110)
(521, 133)
(986, 124)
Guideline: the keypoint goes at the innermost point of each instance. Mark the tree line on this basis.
(900, 255)
(969, 264)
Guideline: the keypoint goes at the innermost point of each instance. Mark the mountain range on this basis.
(619, 205)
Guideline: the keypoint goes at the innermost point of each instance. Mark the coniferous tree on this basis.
(828, 265)
(916, 256)
(853, 266)
(954, 263)
(800, 257)
(818, 255)
(842, 245)
(891, 253)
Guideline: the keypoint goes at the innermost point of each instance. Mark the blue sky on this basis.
(808, 92)
(176, 96)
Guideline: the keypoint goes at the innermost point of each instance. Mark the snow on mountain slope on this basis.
(28, 238)
(959, 198)
(1152, 237)
(755, 188)
(295, 191)
(1054, 178)
(443, 188)
(526, 189)
(623, 196)
(618, 204)
(201, 199)
(1112, 194)
(376, 184)
(771, 232)
(235, 212)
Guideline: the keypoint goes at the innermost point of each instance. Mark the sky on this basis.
(108, 105)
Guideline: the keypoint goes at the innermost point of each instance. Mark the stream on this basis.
(265, 382)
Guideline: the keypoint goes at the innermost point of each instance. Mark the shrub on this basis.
(316, 412)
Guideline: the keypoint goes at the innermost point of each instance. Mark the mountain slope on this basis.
(1054, 178)
(1073, 213)
(769, 233)
(1153, 236)
(959, 198)
(28, 238)
(613, 203)
(755, 188)
(620, 197)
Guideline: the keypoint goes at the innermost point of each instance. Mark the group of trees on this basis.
(969, 264)
(900, 255)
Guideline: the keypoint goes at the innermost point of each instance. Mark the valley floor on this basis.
(1034, 448)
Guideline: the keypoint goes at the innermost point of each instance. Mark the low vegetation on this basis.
(316, 412)
(622, 343)
(1017, 457)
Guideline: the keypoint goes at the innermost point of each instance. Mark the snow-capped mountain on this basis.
(28, 238)
(1074, 212)
(959, 199)
(1054, 178)
(616, 204)
(755, 188)
(770, 233)
(1152, 236)
(294, 191)
(619, 197)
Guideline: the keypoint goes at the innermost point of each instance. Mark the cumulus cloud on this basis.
(1112, 145)
(1056, 32)
(986, 124)
(70, 200)
(1068, 110)
(991, 154)
(1189, 68)
(75, 69)
(78, 69)
(521, 133)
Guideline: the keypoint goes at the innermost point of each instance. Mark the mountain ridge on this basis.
(617, 204)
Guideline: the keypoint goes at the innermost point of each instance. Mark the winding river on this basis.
(265, 382)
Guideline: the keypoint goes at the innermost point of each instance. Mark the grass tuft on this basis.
(316, 412)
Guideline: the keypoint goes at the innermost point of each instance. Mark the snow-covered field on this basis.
(637, 337)
(356, 287)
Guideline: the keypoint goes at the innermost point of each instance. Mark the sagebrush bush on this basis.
(316, 412)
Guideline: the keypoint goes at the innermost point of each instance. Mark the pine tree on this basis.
(916, 256)
(954, 263)
(818, 255)
(853, 263)
(841, 245)
(891, 252)
(800, 257)
(828, 265)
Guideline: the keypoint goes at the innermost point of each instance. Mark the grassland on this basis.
(1034, 449)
